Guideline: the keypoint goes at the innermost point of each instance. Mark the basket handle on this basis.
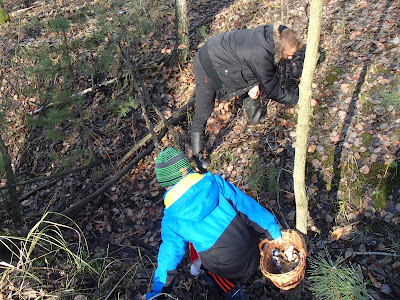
(260, 246)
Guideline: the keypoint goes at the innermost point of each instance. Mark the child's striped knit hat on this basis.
(171, 166)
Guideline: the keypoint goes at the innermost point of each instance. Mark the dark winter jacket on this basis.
(221, 222)
(243, 59)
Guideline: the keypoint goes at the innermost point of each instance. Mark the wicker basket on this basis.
(289, 280)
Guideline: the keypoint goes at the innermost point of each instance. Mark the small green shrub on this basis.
(201, 33)
(256, 174)
(391, 98)
(4, 17)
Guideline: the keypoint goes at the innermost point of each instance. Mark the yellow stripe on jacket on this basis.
(181, 187)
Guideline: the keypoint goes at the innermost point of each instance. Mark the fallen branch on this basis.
(23, 10)
(27, 195)
(376, 253)
(84, 92)
(175, 118)
(69, 211)
(128, 167)
(58, 175)
(142, 93)
(158, 112)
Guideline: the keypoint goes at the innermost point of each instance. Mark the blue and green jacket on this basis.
(221, 222)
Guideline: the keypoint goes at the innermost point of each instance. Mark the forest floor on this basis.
(353, 177)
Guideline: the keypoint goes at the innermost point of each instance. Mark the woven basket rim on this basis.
(293, 277)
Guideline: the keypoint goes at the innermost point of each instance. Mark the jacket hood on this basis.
(268, 37)
(192, 198)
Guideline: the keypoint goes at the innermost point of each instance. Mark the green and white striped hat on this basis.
(171, 166)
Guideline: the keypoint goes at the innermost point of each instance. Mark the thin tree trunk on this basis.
(303, 128)
(182, 31)
(13, 202)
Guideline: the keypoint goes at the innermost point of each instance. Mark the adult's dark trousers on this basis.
(205, 96)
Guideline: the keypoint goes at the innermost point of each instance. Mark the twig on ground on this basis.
(158, 112)
(27, 195)
(23, 10)
(160, 294)
(84, 92)
(376, 253)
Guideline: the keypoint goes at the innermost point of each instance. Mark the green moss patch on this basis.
(332, 76)
(383, 178)
(367, 139)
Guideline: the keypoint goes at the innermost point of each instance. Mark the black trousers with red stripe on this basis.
(221, 284)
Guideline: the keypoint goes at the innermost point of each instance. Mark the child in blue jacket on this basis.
(222, 223)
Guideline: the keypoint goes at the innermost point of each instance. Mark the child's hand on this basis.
(279, 240)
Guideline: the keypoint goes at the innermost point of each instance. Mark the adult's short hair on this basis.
(289, 39)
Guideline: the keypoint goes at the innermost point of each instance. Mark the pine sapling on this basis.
(332, 280)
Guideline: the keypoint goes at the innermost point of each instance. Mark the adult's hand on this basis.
(254, 92)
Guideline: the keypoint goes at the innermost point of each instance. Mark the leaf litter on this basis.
(353, 120)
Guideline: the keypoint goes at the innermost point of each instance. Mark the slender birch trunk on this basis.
(303, 127)
(182, 31)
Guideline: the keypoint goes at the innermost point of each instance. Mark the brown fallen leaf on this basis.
(279, 150)
(141, 231)
(344, 87)
(154, 193)
(311, 148)
(314, 178)
(335, 138)
(375, 282)
(181, 46)
(336, 234)
(364, 169)
(129, 212)
(284, 123)
(380, 46)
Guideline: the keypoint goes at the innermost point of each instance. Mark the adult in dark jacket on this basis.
(233, 63)
(221, 222)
